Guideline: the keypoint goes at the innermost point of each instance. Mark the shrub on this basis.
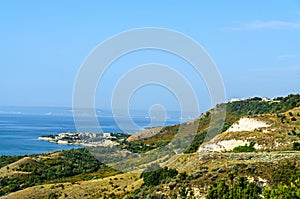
(156, 177)
(186, 193)
(296, 146)
(283, 191)
(245, 148)
(242, 189)
(288, 189)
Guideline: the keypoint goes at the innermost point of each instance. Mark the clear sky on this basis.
(255, 45)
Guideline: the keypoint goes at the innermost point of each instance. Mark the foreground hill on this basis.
(253, 152)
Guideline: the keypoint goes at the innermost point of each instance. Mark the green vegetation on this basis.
(285, 181)
(234, 111)
(296, 146)
(214, 175)
(186, 193)
(255, 106)
(153, 177)
(158, 176)
(140, 147)
(285, 173)
(71, 165)
(238, 109)
(284, 191)
(6, 160)
(197, 141)
(51, 196)
(165, 135)
(68, 163)
(242, 189)
(245, 148)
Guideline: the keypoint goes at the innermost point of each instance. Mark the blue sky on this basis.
(254, 44)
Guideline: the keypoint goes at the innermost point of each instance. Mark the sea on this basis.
(20, 127)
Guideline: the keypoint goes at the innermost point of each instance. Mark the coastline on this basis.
(87, 139)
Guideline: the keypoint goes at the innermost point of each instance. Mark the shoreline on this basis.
(85, 138)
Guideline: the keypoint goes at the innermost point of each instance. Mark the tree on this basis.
(242, 189)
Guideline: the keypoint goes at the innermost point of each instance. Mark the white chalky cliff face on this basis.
(247, 124)
(224, 145)
(244, 124)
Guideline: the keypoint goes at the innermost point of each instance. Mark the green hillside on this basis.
(57, 167)
(247, 171)
(234, 111)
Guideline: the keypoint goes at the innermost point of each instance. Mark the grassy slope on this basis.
(110, 187)
(56, 167)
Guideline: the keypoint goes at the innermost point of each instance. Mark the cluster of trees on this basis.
(285, 184)
(285, 191)
(55, 169)
(241, 189)
(256, 106)
(158, 176)
(6, 160)
(68, 163)
(136, 147)
(153, 176)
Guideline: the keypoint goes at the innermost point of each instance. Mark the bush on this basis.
(186, 193)
(156, 177)
(296, 146)
(242, 189)
(286, 189)
(283, 191)
(245, 148)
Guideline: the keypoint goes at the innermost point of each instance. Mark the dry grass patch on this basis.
(117, 185)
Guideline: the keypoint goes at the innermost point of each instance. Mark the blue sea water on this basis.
(20, 127)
